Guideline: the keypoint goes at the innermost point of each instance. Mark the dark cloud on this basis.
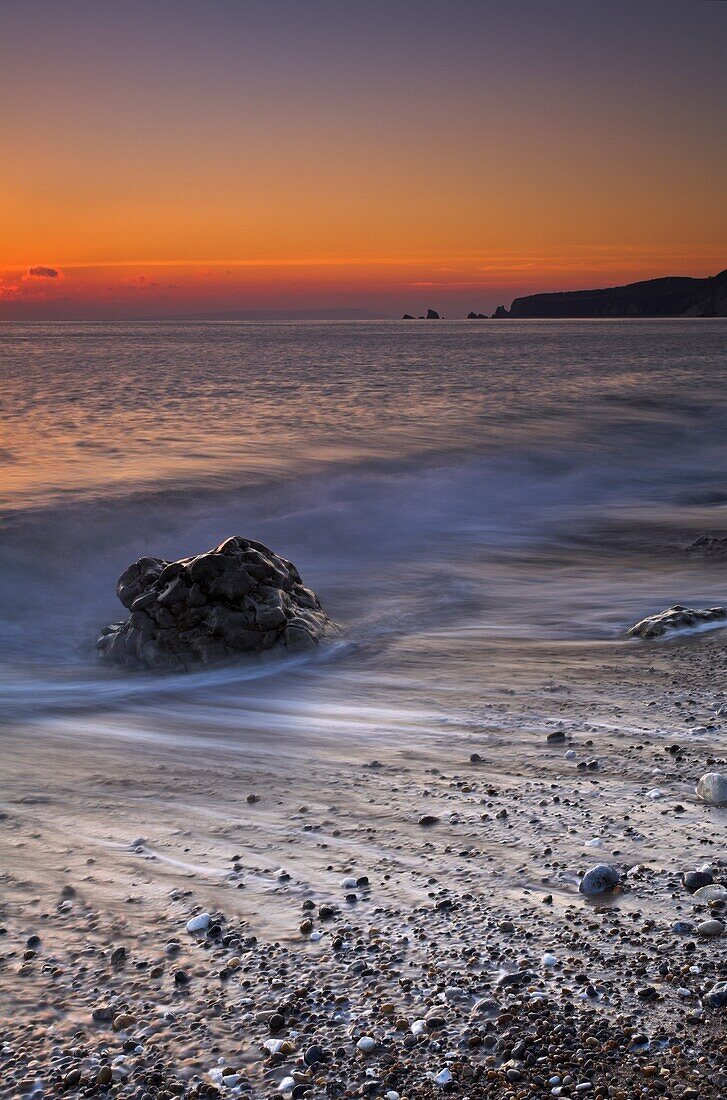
(41, 272)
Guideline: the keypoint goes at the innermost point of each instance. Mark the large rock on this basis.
(238, 598)
(676, 618)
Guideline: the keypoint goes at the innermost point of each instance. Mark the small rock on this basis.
(200, 923)
(695, 880)
(713, 892)
(710, 929)
(677, 617)
(601, 879)
(717, 996)
(712, 788)
(118, 956)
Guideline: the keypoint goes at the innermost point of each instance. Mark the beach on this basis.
(339, 913)
(355, 871)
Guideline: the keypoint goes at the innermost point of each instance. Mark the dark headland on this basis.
(674, 296)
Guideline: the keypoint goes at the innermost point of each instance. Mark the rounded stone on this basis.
(712, 788)
(200, 923)
(601, 879)
(710, 929)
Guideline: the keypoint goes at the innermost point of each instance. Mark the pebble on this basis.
(710, 929)
(694, 880)
(601, 879)
(366, 1044)
(713, 892)
(200, 923)
(712, 788)
(717, 996)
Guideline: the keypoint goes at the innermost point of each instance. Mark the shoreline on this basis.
(115, 839)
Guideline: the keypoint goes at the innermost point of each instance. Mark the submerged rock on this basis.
(238, 598)
(709, 546)
(712, 788)
(676, 618)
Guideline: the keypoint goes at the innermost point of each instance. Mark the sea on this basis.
(493, 482)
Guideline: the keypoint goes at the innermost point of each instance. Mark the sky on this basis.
(177, 157)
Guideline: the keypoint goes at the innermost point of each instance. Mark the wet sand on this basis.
(463, 950)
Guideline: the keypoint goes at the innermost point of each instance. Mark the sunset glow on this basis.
(174, 157)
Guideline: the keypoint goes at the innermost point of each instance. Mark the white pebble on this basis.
(595, 842)
(418, 1027)
(366, 1044)
(273, 1045)
(200, 923)
(315, 937)
(443, 1077)
(286, 1085)
(549, 960)
(655, 793)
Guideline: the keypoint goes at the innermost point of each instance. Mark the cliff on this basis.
(670, 297)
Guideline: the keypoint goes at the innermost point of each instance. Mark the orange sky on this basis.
(183, 157)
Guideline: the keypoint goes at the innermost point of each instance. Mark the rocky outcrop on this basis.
(432, 315)
(476, 316)
(500, 313)
(407, 317)
(674, 296)
(239, 598)
(676, 618)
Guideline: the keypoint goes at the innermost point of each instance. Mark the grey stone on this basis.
(694, 880)
(601, 879)
(717, 996)
(712, 788)
(710, 929)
